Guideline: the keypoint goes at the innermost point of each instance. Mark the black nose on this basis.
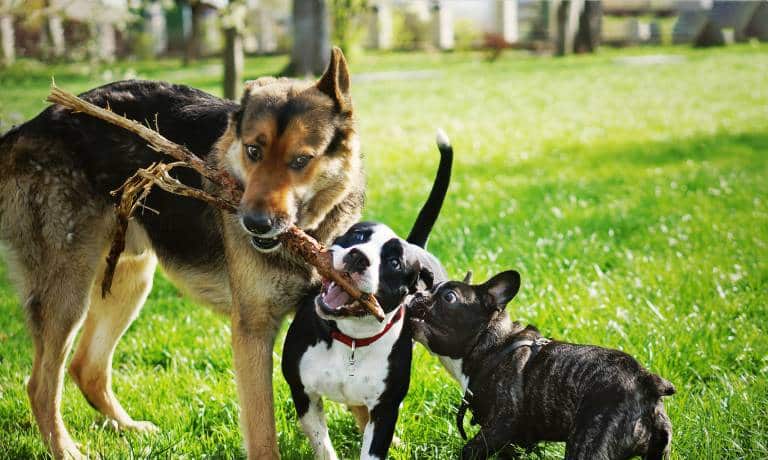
(257, 223)
(355, 261)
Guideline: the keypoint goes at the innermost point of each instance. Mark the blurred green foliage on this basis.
(348, 20)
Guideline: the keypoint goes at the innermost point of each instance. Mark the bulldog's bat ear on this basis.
(500, 289)
(468, 278)
(335, 80)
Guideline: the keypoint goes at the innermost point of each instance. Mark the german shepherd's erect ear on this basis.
(335, 81)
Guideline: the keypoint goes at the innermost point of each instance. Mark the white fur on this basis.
(442, 138)
(366, 326)
(368, 281)
(453, 366)
(324, 370)
(367, 440)
(235, 159)
(314, 426)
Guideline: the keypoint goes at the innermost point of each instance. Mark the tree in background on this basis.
(311, 38)
(7, 38)
(52, 33)
(192, 46)
(233, 24)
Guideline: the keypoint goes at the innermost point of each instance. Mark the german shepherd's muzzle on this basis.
(293, 147)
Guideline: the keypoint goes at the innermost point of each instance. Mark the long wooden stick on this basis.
(136, 188)
(156, 141)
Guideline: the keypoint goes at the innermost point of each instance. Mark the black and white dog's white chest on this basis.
(349, 373)
(331, 352)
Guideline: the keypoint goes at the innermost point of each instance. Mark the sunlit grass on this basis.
(633, 200)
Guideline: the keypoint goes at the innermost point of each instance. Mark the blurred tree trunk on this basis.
(192, 46)
(105, 40)
(233, 23)
(52, 35)
(578, 26)
(568, 12)
(311, 37)
(7, 47)
(233, 62)
(590, 27)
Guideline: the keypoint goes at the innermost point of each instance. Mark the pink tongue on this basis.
(336, 297)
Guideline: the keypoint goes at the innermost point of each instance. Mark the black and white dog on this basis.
(357, 360)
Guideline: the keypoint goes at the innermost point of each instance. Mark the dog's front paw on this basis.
(140, 426)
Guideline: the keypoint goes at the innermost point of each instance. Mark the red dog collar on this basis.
(364, 342)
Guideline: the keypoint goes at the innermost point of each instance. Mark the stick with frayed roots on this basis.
(136, 188)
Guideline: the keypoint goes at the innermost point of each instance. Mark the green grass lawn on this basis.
(633, 199)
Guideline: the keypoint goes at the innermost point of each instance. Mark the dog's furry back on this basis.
(81, 159)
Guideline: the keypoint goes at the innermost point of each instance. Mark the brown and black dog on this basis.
(291, 144)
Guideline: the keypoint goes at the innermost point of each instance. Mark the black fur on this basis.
(429, 212)
(601, 402)
(107, 155)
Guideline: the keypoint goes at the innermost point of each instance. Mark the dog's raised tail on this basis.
(431, 209)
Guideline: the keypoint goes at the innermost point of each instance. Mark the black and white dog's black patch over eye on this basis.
(358, 234)
(360, 237)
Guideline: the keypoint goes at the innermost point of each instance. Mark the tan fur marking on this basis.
(361, 415)
(107, 320)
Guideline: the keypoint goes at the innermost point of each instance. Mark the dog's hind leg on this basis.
(107, 320)
(361, 415)
(660, 434)
(55, 308)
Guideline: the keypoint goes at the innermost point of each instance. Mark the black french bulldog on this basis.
(523, 388)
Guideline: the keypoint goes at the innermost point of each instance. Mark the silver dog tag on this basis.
(351, 363)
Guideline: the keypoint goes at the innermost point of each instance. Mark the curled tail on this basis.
(431, 209)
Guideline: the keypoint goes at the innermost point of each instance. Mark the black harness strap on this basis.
(466, 400)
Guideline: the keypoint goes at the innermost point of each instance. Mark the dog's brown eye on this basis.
(299, 162)
(253, 151)
(450, 297)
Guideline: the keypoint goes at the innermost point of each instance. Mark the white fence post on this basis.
(506, 20)
(442, 26)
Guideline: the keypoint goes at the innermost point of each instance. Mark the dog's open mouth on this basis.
(265, 244)
(334, 301)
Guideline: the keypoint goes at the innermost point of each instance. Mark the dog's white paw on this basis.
(140, 426)
(68, 450)
(397, 442)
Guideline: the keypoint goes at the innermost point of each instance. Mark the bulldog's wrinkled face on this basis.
(378, 262)
(449, 318)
